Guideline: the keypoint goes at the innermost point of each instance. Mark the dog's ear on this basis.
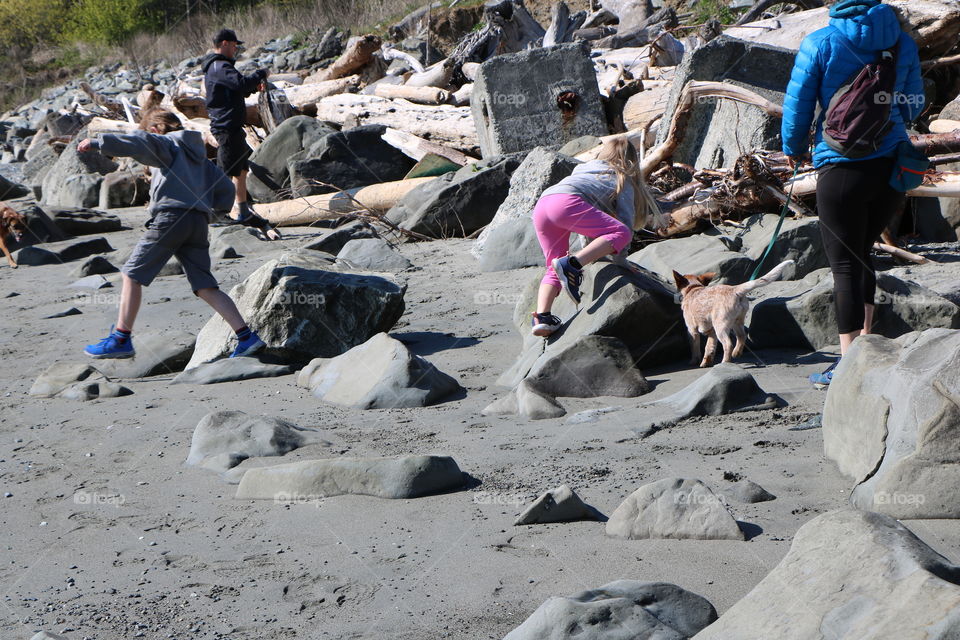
(680, 281)
(707, 278)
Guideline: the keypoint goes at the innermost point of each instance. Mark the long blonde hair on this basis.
(622, 157)
(163, 119)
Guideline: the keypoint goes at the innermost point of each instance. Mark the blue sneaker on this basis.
(113, 346)
(570, 277)
(821, 380)
(249, 346)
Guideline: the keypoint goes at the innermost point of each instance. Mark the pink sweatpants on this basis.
(557, 216)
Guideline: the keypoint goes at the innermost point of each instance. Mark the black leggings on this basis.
(855, 202)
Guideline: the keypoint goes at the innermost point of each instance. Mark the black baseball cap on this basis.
(226, 34)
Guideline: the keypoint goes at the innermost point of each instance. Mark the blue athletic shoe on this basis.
(570, 277)
(113, 346)
(821, 380)
(249, 346)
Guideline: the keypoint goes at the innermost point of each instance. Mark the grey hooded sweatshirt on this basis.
(596, 182)
(183, 178)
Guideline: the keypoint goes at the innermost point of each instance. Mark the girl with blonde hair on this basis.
(603, 199)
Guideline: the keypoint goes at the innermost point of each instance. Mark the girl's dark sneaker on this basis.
(570, 277)
(823, 380)
(544, 324)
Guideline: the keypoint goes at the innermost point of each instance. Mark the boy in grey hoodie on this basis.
(185, 190)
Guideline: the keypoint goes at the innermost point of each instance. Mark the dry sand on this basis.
(107, 535)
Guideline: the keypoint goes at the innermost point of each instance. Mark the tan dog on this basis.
(717, 311)
(14, 224)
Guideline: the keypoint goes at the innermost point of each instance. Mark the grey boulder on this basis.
(82, 222)
(10, 190)
(231, 370)
(512, 244)
(557, 505)
(60, 252)
(410, 476)
(719, 130)
(851, 575)
(749, 492)
(157, 353)
(799, 240)
(381, 373)
(456, 204)
(304, 308)
(629, 305)
(95, 265)
(374, 254)
(76, 382)
(673, 508)
(235, 241)
(891, 423)
(91, 282)
(527, 402)
(223, 439)
(591, 366)
(541, 168)
(269, 177)
(801, 313)
(335, 241)
(725, 388)
(74, 179)
(620, 610)
(347, 159)
(695, 255)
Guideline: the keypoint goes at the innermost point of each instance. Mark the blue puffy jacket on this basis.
(858, 30)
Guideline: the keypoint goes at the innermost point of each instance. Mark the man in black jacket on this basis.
(226, 89)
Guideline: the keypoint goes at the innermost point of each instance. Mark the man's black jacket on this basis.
(226, 88)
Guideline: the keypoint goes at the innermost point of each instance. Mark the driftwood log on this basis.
(111, 106)
(419, 95)
(311, 93)
(562, 24)
(359, 53)
(691, 93)
(309, 209)
(445, 124)
(417, 147)
(149, 97)
(756, 11)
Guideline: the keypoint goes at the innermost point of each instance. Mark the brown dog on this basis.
(717, 311)
(14, 224)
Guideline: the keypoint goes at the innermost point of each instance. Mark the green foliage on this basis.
(707, 10)
(109, 21)
(28, 23)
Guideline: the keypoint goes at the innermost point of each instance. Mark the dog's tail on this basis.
(771, 276)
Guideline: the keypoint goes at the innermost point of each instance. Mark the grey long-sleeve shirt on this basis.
(183, 178)
(596, 182)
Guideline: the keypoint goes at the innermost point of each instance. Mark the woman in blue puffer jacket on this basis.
(855, 201)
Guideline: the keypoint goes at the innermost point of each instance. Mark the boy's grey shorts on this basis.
(172, 233)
